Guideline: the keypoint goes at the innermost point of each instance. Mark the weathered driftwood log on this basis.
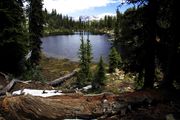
(55, 108)
(73, 106)
(10, 86)
(60, 80)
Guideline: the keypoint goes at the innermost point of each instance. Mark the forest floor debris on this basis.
(140, 105)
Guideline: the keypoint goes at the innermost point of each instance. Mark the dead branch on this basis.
(10, 86)
(60, 80)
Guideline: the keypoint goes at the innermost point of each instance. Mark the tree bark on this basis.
(74, 106)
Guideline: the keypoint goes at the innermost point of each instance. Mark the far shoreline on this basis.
(108, 33)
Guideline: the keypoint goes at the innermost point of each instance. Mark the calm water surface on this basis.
(67, 46)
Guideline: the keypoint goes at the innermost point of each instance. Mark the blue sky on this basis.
(76, 8)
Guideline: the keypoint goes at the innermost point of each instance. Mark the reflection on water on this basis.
(67, 46)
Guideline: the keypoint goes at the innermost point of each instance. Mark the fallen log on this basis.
(60, 80)
(54, 108)
(74, 106)
(10, 86)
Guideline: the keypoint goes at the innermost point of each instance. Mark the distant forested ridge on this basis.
(57, 24)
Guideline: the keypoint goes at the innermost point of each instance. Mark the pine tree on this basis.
(114, 60)
(117, 27)
(85, 57)
(119, 60)
(89, 51)
(100, 76)
(81, 77)
(35, 29)
(13, 33)
(88, 59)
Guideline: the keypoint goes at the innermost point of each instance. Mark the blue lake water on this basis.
(67, 46)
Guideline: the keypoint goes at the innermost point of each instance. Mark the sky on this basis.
(76, 8)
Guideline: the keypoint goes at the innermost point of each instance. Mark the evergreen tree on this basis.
(119, 60)
(13, 32)
(89, 51)
(35, 30)
(100, 75)
(151, 32)
(82, 54)
(169, 45)
(117, 27)
(89, 59)
(82, 76)
(85, 56)
(150, 35)
(114, 60)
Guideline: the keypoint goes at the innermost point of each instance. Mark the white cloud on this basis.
(71, 6)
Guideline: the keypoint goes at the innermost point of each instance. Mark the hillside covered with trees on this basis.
(57, 24)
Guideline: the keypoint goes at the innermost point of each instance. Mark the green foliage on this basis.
(57, 24)
(106, 23)
(84, 76)
(33, 74)
(117, 27)
(148, 37)
(81, 78)
(89, 51)
(132, 40)
(36, 21)
(89, 58)
(82, 54)
(13, 37)
(139, 81)
(100, 75)
(114, 60)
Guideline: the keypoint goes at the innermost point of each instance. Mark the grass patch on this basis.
(54, 68)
